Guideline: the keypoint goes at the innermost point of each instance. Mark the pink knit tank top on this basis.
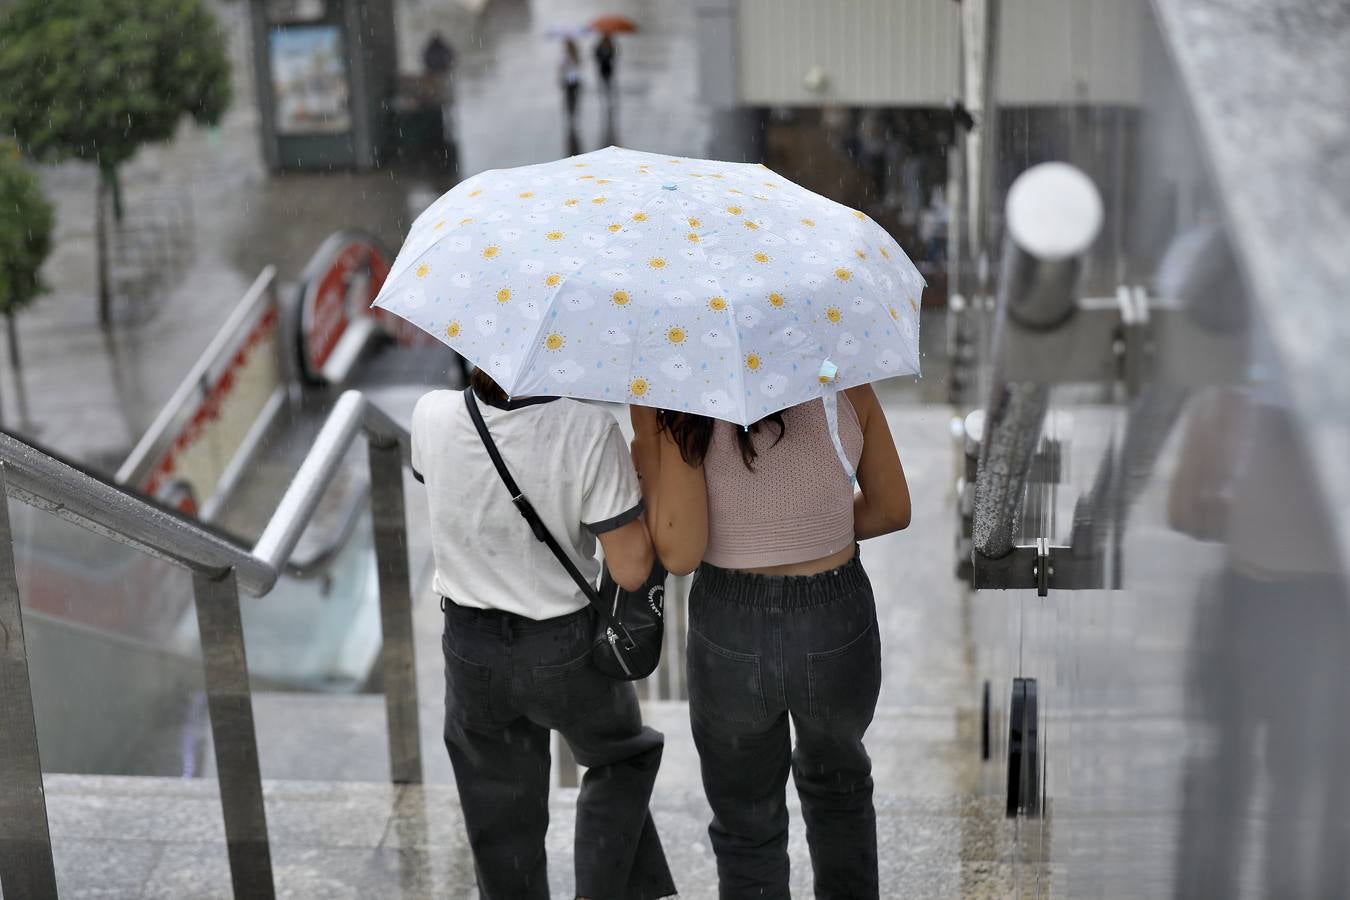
(797, 504)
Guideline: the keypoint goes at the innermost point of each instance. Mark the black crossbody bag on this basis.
(630, 625)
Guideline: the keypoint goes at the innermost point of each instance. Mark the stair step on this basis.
(163, 838)
(916, 752)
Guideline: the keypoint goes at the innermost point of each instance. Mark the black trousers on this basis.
(763, 649)
(508, 681)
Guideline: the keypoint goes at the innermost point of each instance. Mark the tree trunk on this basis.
(101, 240)
(15, 363)
(115, 182)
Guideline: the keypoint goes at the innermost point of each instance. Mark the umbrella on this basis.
(575, 32)
(614, 25)
(709, 287)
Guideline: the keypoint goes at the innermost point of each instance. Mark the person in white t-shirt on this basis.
(518, 632)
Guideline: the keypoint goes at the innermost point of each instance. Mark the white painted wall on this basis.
(872, 52)
(906, 52)
(1067, 51)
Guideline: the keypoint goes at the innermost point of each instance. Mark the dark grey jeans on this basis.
(762, 649)
(508, 680)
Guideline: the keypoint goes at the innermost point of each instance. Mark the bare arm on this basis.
(675, 493)
(882, 504)
(646, 452)
(681, 532)
(628, 553)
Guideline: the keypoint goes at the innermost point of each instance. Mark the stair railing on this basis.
(221, 567)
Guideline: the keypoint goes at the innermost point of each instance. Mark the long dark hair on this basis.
(693, 435)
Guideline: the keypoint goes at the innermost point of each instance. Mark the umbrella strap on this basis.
(531, 516)
(830, 399)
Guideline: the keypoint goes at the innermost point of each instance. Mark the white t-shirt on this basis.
(570, 460)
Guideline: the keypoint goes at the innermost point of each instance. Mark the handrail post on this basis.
(397, 657)
(1054, 214)
(26, 867)
(230, 701)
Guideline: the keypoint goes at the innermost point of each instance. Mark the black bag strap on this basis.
(528, 512)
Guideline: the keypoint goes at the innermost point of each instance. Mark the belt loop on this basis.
(506, 629)
(443, 609)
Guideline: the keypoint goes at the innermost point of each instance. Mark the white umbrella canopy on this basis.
(694, 285)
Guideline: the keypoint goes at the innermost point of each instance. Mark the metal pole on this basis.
(568, 774)
(230, 701)
(396, 657)
(26, 867)
(1054, 213)
(979, 45)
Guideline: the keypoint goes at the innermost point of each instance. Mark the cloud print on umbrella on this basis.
(619, 275)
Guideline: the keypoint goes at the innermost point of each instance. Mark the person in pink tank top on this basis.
(782, 625)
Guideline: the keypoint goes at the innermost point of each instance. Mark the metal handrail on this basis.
(50, 484)
(46, 482)
(315, 563)
(221, 566)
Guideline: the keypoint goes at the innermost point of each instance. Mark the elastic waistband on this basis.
(780, 591)
(495, 619)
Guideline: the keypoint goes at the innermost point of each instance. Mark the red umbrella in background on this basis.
(614, 25)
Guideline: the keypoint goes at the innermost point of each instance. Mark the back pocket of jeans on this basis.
(724, 684)
(468, 687)
(845, 682)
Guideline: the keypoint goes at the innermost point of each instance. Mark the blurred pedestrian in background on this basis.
(606, 51)
(569, 77)
(438, 59)
(438, 56)
(933, 227)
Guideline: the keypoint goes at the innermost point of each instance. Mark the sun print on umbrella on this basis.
(720, 297)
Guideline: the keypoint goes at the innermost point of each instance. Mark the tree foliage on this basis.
(96, 79)
(25, 233)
